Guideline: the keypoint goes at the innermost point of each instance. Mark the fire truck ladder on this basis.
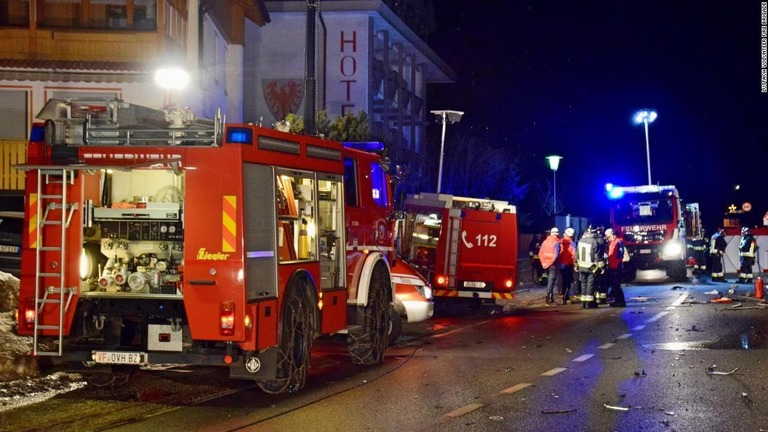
(53, 293)
(452, 255)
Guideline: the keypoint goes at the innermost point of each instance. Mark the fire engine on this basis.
(156, 237)
(465, 247)
(651, 222)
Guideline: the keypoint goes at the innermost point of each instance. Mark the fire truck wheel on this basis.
(367, 344)
(678, 272)
(296, 333)
(395, 326)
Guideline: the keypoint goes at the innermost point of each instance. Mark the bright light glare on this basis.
(643, 116)
(172, 78)
(672, 250)
(554, 162)
(616, 193)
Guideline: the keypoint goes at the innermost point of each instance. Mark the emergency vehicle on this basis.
(651, 222)
(153, 237)
(465, 247)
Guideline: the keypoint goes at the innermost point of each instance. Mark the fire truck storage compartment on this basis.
(140, 236)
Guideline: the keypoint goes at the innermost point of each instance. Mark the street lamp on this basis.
(445, 117)
(646, 117)
(554, 163)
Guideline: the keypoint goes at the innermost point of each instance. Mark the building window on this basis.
(14, 13)
(97, 14)
(13, 114)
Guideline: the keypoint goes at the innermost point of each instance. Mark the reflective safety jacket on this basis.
(747, 246)
(549, 251)
(614, 250)
(588, 253)
(717, 244)
(567, 252)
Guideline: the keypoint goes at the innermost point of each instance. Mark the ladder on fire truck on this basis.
(46, 205)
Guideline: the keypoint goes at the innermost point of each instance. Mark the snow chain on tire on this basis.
(367, 345)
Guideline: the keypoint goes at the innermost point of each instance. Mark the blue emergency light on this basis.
(614, 192)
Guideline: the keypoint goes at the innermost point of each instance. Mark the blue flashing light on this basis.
(238, 135)
(616, 193)
(368, 146)
(608, 187)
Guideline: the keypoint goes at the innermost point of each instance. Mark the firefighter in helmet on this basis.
(717, 250)
(699, 249)
(747, 253)
(601, 278)
(549, 254)
(567, 262)
(589, 262)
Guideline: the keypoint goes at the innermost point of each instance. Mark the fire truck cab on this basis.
(156, 237)
(651, 223)
(465, 247)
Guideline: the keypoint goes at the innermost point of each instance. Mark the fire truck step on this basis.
(47, 353)
(48, 327)
(51, 222)
(50, 248)
(51, 196)
(48, 301)
(50, 274)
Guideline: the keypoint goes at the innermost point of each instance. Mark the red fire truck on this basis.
(155, 237)
(465, 247)
(651, 222)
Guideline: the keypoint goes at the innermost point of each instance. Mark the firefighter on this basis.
(588, 260)
(567, 262)
(537, 273)
(747, 251)
(601, 278)
(716, 252)
(615, 267)
(699, 250)
(549, 253)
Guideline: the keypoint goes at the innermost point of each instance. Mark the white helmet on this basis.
(554, 231)
(609, 232)
(569, 232)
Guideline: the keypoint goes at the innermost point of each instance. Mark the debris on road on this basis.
(616, 408)
(677, 287)
(563, 411)
(640, 373)
(722, 300)
(713, 292)
(714, 372)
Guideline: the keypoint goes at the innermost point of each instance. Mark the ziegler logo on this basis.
(204, 255)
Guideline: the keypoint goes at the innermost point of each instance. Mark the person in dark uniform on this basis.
(588, 262)
(537, 272)
(717, 246)
(747, 253)
(699, 251)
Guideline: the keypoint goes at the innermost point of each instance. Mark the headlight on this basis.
(672, 250)
(425, 292)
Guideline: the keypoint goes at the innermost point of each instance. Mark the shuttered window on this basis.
(13, 114)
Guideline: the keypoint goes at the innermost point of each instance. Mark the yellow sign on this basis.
(204, 255)
(731, 208)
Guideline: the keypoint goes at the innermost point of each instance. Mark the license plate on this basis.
(474, 284)
(645, 251)
(9, 249)
(117, 357)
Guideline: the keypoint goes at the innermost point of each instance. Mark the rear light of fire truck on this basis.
(28, 312)
(508, 283)
(227, 318)
(441, 280)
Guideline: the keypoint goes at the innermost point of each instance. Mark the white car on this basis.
(413, 301)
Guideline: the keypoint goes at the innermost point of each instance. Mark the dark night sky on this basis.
(564, 77)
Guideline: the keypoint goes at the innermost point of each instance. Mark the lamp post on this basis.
(645, 117)
(554, 163)
(444, 116)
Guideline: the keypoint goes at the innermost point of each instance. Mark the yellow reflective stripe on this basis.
(229, 226)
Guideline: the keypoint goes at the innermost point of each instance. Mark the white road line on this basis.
(638, 328)
(656, 317)
(606, 345)
(464, 410)
(585, 357)
(515, 388)
(625, 336)
(680, 299)
(554, 371)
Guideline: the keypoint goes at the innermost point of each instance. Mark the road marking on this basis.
(680, 299)
(625, 336)
(585, 357)
(464, 410)
(515, 388)
(606, 345)
(656, 317)
(638, 328)
(460, 329)
(554, 371)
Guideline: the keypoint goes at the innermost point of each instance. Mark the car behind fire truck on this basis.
(155, 237)
(651, 222)
(465, 247)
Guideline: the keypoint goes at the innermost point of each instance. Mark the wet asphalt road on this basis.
(671, 360)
